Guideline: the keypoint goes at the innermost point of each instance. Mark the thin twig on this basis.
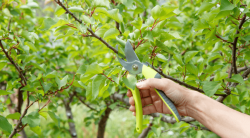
(82, 101)
(223, 39)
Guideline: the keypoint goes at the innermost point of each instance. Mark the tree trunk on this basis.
(72, 128)
(102, 123)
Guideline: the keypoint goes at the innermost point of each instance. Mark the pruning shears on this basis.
(134, 66)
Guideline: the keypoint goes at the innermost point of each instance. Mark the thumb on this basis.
(160, 84)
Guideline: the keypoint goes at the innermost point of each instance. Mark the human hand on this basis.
(151, 102)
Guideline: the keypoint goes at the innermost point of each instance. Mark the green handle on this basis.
(138, 108)
(150, 73)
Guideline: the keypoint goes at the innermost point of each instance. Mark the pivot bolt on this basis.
(135, 67)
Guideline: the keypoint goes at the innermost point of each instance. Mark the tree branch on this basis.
(12, 62)
(234, 48)
(144, 133)
(82, 101)
(223, 39)
(118, 27)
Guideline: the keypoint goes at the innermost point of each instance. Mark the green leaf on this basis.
(46, 87)
(184, 129)
(100, 3)
(86, 19)
(238, 78)
(114, 14)
(33, 5)
(94, 68)
(189, 55)
(149, 36)
(205, 6)
(47, 23)
(26, 35)
(226, 5)
(89, 91)
(59, 11)
(111, 33)
(32, 119)
(31, 46)
(199, 134)
(213, 56)
(200, 24)
(178, 58)
(76, 9)
(210, 87)
(97, 84)
(6, 12)
(62, 82)
(161, 57)
(44, 112)
(81, 69)
(37, 130)
(5, 125)
(60, 23)
(157, 131)
(3, 92)
(2, 65)
(121, 42)
(130, 81)
(14, 116)
(162, 13)
(220, 75)
(137, 23)
(55, 118)
(192, 68)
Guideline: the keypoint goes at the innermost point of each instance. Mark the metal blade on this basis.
(130, 53)
(129, 65)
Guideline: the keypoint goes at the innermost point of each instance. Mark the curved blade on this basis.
(128, 65)
(130, 53)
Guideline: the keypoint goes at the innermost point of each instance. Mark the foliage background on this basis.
(60, 76)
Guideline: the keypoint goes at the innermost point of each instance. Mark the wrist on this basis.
(196, 104)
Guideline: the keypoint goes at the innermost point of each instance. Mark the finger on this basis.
(145, 92)
(129, 93)
(132, 108)
(146, 101)
(131, 101)
(160, 84)
(149, 109)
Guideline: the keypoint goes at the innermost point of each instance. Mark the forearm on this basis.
(219, 118)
